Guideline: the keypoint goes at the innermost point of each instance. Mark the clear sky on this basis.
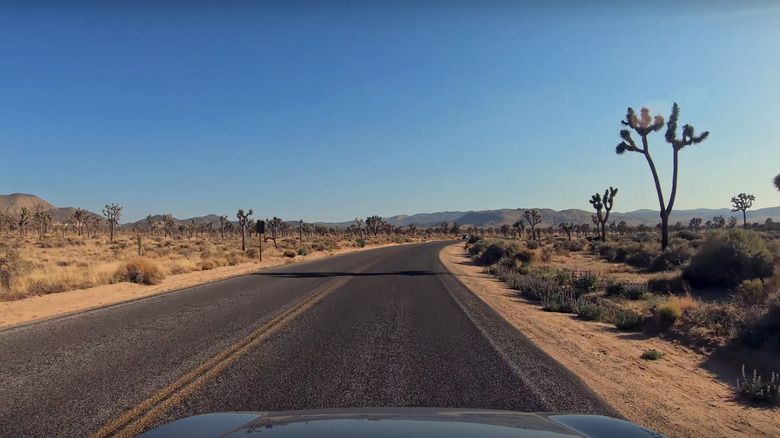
(332, 110)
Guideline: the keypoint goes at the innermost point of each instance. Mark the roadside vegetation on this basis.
(713, 291)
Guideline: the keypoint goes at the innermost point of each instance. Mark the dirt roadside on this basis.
(674, 395)
(47, 306)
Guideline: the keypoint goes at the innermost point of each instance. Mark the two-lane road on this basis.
(385, 327)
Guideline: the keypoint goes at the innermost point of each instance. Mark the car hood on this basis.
(399, 423)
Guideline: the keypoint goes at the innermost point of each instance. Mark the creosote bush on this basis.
(629, 320)
(360, 242)
(305, 250)
(289, 253)
(752, 292)
(139, 270)
(652, 355)
(729, 257)
(668, 312)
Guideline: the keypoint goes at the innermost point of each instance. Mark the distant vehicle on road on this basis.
(401, 422)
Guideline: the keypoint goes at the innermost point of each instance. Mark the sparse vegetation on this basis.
(139, 270)
(652, 355)
(729, 257)
(756, 389)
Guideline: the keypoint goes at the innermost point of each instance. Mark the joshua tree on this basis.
(112, 213)
(374, 224)
(732, 222)
(24, 219)
(42, 221)
(243, 219)
(534, 218)
(222, 221)
(567, 228)
(359, 224)
(623, 228)
(644, 125)
(445, 227)
(455, 228)
(718, 222)
(695, 224)
(741, 203)
(152, 224)
(78, 217)
(169, 224)
(606, 204)
(520, 227)
(776, 182)
(273, 227)
(412, 229)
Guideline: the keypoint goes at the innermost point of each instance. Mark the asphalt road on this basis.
(385, 327)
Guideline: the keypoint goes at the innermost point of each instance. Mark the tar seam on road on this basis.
(135, 420)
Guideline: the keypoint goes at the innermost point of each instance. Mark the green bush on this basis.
(534, 287)
(668, 312)
(304, 250)
(615, 289)
(560, 300)
(640, 259)
(289, 253)
(588, 282)
(652, 355)
(495, 252)
(672, 258)
(729, 257)
(589, 311)
(757, 390)
(752, 291)
(687, 235)
(531, 244)
(629, 320)
(360, 242)
(636, 292)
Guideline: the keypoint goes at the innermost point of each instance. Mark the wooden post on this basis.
(261, 246)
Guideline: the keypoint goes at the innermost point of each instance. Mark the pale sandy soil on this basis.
(47, 306)
(674, 395)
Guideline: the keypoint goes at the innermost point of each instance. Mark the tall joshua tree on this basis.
(534, 218)
(152, 224)
(223, 220)
(243, 220)
(112, 213)
(24, 219)
(606, 204)
(742, 202)
(644, 125)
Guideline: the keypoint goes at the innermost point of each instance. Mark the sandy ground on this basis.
(47, 306)
(673, 395)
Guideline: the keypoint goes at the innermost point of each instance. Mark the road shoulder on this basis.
(674, 396)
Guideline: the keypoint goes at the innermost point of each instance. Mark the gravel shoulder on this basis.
(674, 395)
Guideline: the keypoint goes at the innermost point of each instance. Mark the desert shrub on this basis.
(531, 244)
(574, 245)
(289, 253)
(559, 300)
(640, 259)
(757, 390)
(524, 256)
(495, 252)
(546, 255)
(588, 311)
(477, 248)
(652, 355)
(636, 292)
(672, 258)
(587, 282)
(684, 303)
(686, 235)
(253, 253)
(12, 266)
(304, 250)
(207, 264)
(663, 285)
(719, 320)
(177, 269)
(361, 243)
(232, 259)
(139, 270)
(535, 287)
(752, 291)
(729, 257)
(562, 277)
(668, 312)
(46, 287)
(615, 289)
(629, 320)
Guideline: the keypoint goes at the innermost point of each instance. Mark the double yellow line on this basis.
(132, 422)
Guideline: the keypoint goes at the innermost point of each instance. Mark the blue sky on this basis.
(333, 110)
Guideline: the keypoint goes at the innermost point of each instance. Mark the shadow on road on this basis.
(348, 274)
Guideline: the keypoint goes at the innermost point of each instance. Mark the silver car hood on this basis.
(400, 423)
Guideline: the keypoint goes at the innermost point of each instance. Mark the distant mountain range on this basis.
(14, 203)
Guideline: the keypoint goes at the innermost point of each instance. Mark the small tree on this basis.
(243, 219)
(695, 224)
(374, 224)
(78, 217)
(718, 222)
(644, 125)
(741, 203)
(273, 228)
(606, 204)
(534, 218)
(24, 219)
(567, 228)
(152, 224)
(169, 225)
(520, 227)
(776, 182)
(732, 222)
(112, 213)
(222, 221)
(42, 221)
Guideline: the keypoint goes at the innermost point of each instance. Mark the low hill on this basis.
(14, 203)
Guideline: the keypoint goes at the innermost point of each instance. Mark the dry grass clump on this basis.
(140, 270)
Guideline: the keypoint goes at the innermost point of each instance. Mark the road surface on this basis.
(384, 327)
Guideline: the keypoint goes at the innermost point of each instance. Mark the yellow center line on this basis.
(136, 419)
